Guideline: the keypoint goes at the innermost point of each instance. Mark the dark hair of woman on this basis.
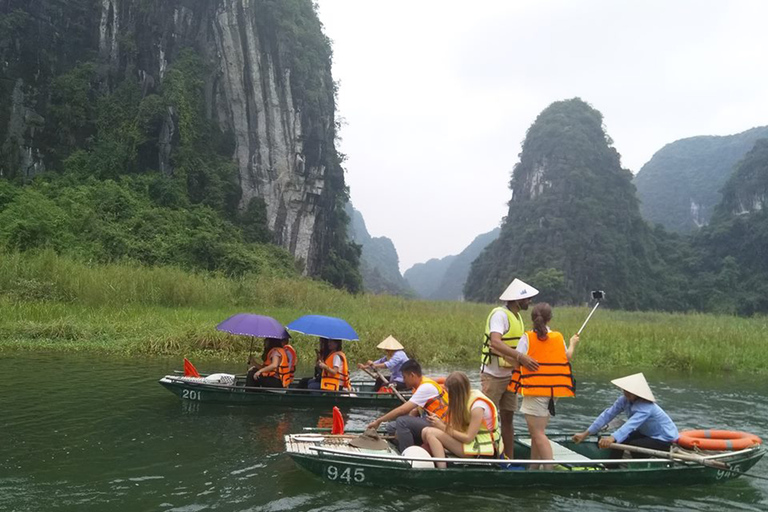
(541, 314)
(269, 344)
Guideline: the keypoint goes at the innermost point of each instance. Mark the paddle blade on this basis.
(338, 422)
(189, 369)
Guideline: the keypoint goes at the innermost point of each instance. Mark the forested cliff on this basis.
(574, 225)
(573, 220)
(680, 186)
(221, 107)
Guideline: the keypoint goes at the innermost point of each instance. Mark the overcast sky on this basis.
(436, 95)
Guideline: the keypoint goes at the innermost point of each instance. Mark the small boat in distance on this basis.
(334, 459)
(234, 391)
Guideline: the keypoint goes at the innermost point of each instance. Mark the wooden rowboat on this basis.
(198, 390)
(576, 465)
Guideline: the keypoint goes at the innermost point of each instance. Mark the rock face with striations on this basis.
(268, 87)
(680, 186)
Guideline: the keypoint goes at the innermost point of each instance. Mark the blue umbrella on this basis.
(258, 326)
(324, 326)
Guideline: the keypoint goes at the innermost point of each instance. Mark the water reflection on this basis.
(107, 437)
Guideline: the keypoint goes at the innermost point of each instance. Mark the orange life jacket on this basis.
(439, 404)
(282, 371)
(554, 377)
(338, 381)
(292, 362)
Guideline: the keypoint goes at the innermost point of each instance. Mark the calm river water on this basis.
(83, 433)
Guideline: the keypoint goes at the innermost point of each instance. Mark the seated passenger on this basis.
(292, 359)
(394, 359)
(275, 370)
(428, 395)
(473, 423)
(331, 370)
(540, 388)
(647, 426)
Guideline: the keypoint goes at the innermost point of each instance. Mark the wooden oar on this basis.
(722, 466)
(386, 383)
(690, 457)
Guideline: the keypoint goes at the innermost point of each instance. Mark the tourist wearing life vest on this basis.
(394, 359)
(541, 388)
(503, 330)
(275, 370)
(292, 359)
(334, 369)
(410, 419)
(472, 426)
(647, 425)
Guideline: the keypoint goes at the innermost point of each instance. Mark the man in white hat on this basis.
(394, 359)
(503, 330)
(647, 426)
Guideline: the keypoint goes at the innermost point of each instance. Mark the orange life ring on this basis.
(717, 440)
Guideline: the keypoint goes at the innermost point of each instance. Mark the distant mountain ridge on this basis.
(444, 278)
(680, 185)
(379, 262)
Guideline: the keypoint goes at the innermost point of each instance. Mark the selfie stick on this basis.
(587, 320)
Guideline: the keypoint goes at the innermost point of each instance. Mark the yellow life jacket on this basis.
(487, 442)
(510, 338)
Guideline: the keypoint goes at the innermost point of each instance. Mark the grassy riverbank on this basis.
(53, 303)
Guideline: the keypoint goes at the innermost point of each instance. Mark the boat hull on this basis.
(361, 396)
(355, 470)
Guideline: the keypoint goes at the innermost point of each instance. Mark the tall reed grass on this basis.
(49, 302)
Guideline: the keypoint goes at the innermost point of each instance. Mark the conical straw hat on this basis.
(390, 344)
(637, 385)
(518, 290)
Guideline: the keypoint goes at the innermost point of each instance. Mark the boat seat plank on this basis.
(559, 452)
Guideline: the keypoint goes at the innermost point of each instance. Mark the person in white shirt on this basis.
(410, 419)
(503, 329)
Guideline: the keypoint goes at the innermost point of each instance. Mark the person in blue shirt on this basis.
(394, 359)
(647, 425)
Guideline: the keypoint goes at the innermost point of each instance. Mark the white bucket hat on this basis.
(390, 344)
(518, 290)
(637, 385)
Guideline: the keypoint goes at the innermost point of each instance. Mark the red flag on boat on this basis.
(189, 369)
(338, 422)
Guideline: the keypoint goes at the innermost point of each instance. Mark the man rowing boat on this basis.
(647, 426)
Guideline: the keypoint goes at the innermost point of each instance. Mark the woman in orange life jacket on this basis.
(553, 379)
(331, 369)
(274, 372)
(292, 359)
(472, 428)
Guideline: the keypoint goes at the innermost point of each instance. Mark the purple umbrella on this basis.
(258, 326)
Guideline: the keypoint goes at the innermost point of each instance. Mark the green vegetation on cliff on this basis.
(115, 148)
(731, 264)
(573, 222)
(680, 186)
